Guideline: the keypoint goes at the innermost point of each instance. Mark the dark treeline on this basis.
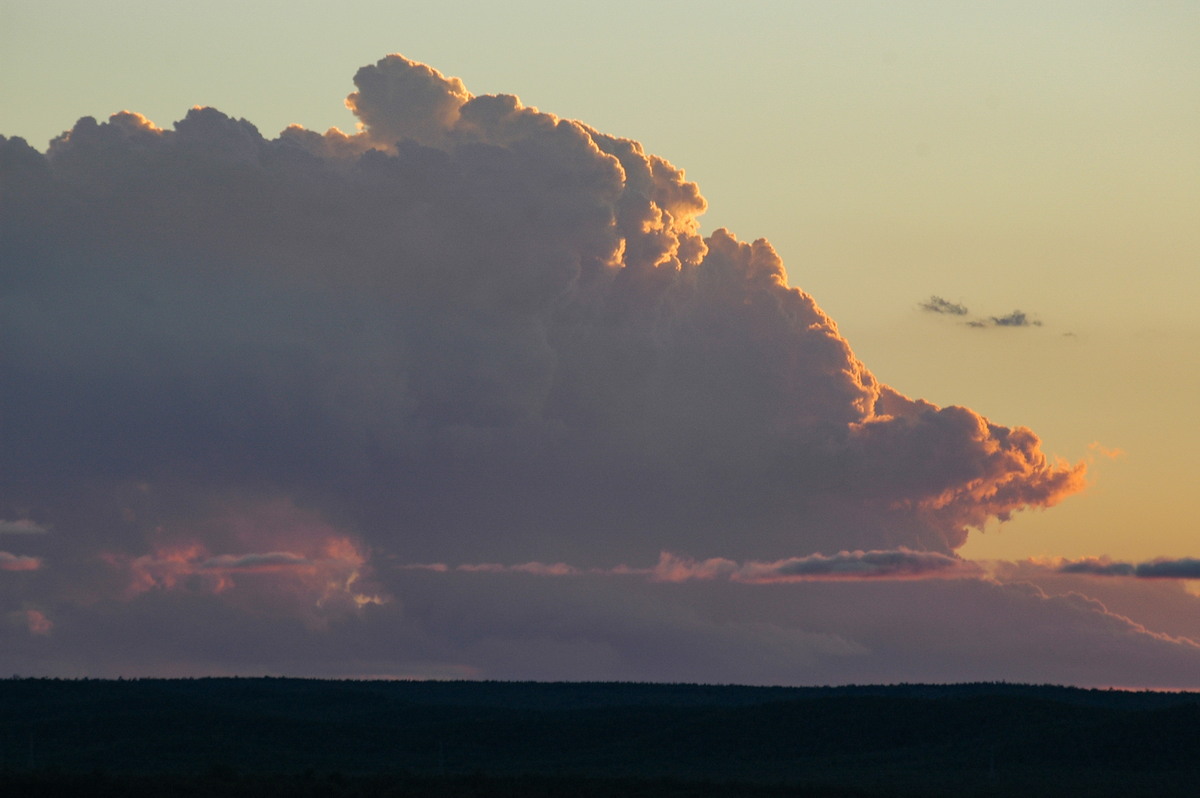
(298, 737)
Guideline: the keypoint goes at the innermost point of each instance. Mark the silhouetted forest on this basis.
(268, 736)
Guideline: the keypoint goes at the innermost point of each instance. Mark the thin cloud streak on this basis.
(900, 564)
(845, 565)
(1163, 568)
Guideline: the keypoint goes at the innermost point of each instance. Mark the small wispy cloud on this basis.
(935, 304)
(944, 307)
(1017, 318)
(21, 526)
(1098, 449)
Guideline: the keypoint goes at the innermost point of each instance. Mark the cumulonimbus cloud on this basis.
(502, 327)
(468, 331)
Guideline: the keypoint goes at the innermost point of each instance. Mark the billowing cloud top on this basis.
(469, 327)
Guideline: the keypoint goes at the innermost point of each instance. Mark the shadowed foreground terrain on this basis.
(262, 737)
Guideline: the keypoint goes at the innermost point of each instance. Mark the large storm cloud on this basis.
(471, 325)
(469, 332)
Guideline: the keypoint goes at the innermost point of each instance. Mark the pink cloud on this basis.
(166, 568)
(190, 566)
(314, 565)
(255, 563)
(38, 623)
(672, 568)
(33, 621)
(19, 562)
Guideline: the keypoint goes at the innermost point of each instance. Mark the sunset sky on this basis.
(438, 382)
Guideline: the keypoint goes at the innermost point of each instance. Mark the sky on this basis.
(784, 343)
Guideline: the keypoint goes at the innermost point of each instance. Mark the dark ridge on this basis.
(414, 738)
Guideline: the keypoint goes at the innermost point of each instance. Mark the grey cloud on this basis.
(249, 562)
(935, 304)
(899, 564)
(845, 565)
(1015, 319)
(1182, 568)
(1098, 568)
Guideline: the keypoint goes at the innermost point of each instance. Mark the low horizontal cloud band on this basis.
(848, 565)
(1181, 568)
